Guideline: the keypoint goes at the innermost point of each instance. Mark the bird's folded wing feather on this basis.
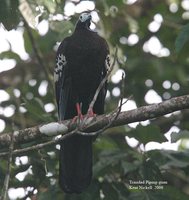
(62, 80)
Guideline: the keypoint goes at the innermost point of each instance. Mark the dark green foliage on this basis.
(9, 13)
(182, 38)
(147, 134)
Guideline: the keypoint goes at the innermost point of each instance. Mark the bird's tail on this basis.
(75, 170)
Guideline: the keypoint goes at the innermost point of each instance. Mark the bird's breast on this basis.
(85, 60)
(85, 66)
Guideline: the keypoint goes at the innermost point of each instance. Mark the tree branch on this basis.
(67, 128)
(7, 177)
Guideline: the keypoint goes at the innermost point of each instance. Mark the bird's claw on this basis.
(80, 119)
(77, 119)
(90, 113)
(89, 117)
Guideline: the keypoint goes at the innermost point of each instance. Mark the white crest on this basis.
(84, 17)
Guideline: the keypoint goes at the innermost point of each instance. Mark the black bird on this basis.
(82, 62)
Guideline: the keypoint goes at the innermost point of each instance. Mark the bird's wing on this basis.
(105, 63)
(62, 80)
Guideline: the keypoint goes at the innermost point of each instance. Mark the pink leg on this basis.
(79, 113)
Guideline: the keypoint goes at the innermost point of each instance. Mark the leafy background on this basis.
(131, 25)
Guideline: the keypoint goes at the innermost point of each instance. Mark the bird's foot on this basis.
(83, 121)
(76, 119)
(90, 113)
(89, 117)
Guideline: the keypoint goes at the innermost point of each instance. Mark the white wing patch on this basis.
(107, 62)
(60, 63)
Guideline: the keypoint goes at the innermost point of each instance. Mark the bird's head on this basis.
(84, 20)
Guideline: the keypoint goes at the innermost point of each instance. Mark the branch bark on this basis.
(7, 177)
(68, 128)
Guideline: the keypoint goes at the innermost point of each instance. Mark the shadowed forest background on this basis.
(152, 41)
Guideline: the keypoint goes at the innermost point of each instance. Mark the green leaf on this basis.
(9, 13)
(108, 158)
(105, 143)
(176, 159)
(128, 167)
(29, 12)
(166, 159)
(36, 110)
(51, 193)
(121, 190)
(27, 42)
(10, 55)
(147, 134)
(181, 135)
(182, 38)
(50, 5)
(62, 27)
(108, 192)
(150, 171)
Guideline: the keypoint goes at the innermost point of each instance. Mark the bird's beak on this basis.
(89, 17)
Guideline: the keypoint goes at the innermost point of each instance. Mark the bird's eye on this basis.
(80, 17)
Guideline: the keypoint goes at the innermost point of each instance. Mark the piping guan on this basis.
(82, 61)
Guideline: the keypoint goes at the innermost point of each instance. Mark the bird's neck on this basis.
(82, 26)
